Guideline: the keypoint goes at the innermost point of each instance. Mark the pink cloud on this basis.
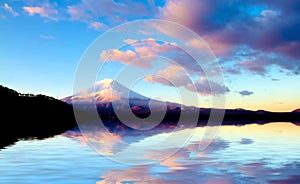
(290, 49)
(193, 14)
(77, 13)
(177, 76)
(144, 50)
(212, 41)
(253, 66)
(183, 12)
(124, 57)
(171, 76)
(151, 46)
(130, 41)
(34, 10)
(260, 62)
(225, 27)
(10, 10)
(205, 87)
(46, 11)
(98, 25)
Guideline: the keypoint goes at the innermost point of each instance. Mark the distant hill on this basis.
(25, 116)
(296, 111)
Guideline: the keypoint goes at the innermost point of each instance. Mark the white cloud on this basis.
(47, 37)
(10, 10)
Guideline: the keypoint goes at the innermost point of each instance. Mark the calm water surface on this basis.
(254, 153)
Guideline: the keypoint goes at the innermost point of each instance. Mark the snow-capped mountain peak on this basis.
(106, 90)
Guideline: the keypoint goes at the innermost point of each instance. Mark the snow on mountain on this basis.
(104, 91)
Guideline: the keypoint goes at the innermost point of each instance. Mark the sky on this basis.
(254, 43)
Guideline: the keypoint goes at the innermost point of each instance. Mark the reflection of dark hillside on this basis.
(242, 116)
(231, 116)
(32, 116)
(171, 119)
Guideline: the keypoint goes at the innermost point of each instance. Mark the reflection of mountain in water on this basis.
(155, 146)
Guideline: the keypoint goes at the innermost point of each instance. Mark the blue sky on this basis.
(256, 43)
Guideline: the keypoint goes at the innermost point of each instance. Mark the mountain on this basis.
(108, 92)
(109, 95)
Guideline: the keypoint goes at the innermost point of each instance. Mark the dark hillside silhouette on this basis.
(25, 116)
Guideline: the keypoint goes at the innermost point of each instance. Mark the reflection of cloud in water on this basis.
(246, 141)
(248, 154)
(187, 156)
(172, 161)
(207, 172)
(105, 142)
(138, 175)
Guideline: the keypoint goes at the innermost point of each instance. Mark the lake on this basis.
(268, 153)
